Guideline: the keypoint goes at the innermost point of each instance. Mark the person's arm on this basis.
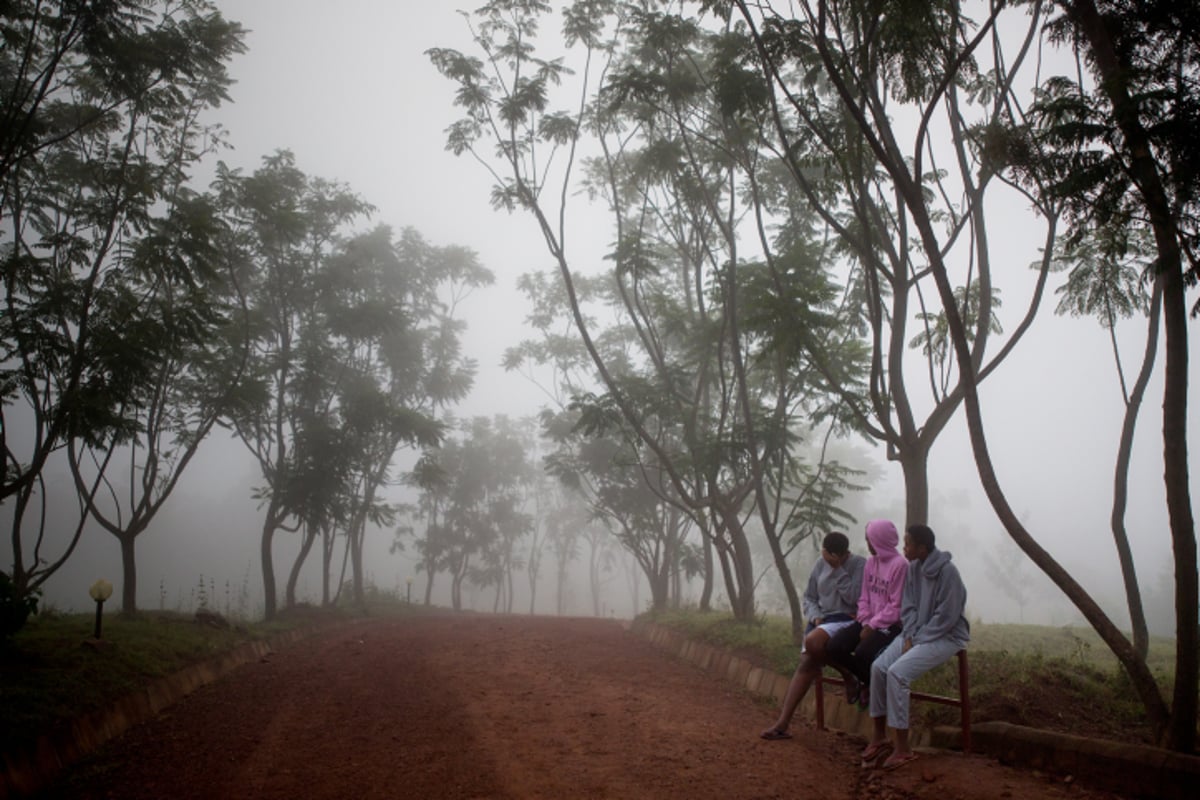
(850, 582)
(810, 602)
(949, 602)
(908, 610)
(864, 593)
(889, 613)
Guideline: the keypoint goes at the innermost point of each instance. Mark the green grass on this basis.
(1063, 679)
(48, 675)
(767, 642)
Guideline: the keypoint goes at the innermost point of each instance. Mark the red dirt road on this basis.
(499, 707)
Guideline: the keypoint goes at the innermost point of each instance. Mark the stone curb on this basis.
(1111, 766)
(30, 769)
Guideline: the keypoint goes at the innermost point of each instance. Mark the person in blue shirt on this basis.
(829, 603)
(935, 628)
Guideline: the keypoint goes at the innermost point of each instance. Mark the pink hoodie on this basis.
(883, 578)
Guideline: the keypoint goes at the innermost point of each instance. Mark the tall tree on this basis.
(183, 274)
(98, 130)
(694, 373)
(866, 98)
(289, 226)
(929, 59)
(391, 306)
(1127, 157)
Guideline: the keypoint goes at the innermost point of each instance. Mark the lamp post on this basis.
(101, 590)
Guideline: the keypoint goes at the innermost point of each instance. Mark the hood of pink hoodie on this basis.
(882, 535)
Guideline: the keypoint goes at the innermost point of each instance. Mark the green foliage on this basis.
(108, 261)
(15, 608)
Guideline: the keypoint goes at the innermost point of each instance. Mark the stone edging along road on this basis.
(1133, 769)
(1126, 768)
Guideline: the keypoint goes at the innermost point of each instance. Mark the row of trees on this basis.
(800, 201)
(141, 312)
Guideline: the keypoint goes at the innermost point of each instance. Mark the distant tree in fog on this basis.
(108, 263)
(471, 502)
(355, 349)
(626, 496)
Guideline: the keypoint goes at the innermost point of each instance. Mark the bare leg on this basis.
(811, 661)
(881, 730)
(902, 746)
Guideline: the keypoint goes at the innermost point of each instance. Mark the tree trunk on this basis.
(129, 574)
(914, 463)
(1133, 405)
(1113, 71)
(1181, 735)
(306, 543)
(789, 586)
(743, 604)
(1140, 675)
(660, 588)
(356, 563)
(268, 570)
(707, 590)
(326, 565)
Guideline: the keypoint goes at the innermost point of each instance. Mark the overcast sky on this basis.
(346, 86)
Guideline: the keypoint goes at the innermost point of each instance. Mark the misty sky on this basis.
(346, 86)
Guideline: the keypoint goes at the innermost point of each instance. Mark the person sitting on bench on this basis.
(877, 621)
(935, 628)
(828, 604)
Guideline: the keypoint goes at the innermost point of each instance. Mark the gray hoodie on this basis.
(833, 590)
(934, 601)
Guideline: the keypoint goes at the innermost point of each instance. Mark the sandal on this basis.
(774, 734)
(874, 752)
(898, 760)
(853, 690)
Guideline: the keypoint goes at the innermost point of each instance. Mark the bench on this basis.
(962, 702)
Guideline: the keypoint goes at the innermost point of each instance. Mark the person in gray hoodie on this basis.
(829, 603)
(935, 628)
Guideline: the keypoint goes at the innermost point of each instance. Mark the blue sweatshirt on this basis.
(934, 601)
(833, 590)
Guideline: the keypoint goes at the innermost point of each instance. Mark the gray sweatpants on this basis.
(893, 672)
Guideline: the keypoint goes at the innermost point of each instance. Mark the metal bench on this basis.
(962, 702)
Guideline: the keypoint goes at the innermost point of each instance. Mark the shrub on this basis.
(14, 609)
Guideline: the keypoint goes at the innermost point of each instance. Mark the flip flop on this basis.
(874, 752)
(774, 735)
(897, 761)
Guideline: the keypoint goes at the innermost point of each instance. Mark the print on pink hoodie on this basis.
(883, 577)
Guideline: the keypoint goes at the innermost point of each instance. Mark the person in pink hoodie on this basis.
(877, 621)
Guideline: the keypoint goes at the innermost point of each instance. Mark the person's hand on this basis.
(867, 630)
(817, 621)
(907, 645)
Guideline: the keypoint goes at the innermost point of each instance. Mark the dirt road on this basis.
(499, 707)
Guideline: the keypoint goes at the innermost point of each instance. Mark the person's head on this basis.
(882, 536)
(835, 549)
(918, 542)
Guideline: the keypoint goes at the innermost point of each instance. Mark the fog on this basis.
(347, 88)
